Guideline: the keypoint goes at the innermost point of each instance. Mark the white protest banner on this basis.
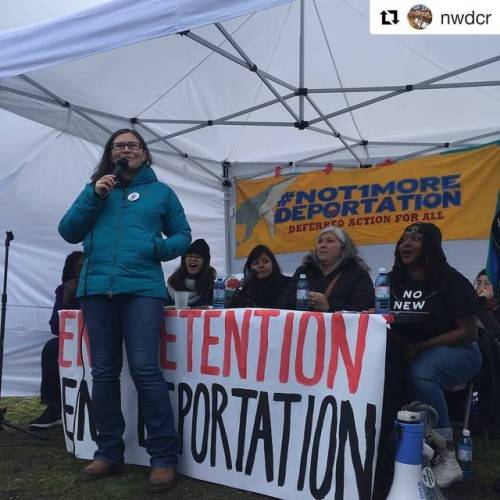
(284, 403)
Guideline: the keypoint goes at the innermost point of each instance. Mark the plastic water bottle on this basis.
(382, 292)
(219, 293)
(464, 453)
(302, 293)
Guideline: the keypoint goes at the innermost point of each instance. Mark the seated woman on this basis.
(263, 282)
(50, 394)
(338, 279)
(195, 275)
(440, 350)
(487, 383)
(489, 312)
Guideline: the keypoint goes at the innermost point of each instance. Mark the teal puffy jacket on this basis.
(122, 236)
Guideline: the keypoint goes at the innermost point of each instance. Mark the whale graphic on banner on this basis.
(262, 205)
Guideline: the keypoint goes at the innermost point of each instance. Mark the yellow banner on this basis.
(455, 191)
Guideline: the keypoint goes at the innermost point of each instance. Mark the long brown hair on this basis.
(105, 165)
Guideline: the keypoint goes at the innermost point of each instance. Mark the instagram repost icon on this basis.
(419, 16)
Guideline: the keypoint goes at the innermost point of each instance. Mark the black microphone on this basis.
(120, 165)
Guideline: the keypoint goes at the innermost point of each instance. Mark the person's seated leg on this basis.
(429, 375)
(50, 394)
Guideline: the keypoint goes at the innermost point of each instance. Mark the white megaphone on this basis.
(407, 482)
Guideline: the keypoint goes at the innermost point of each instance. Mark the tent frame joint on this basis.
(226, 183)
(301, 125)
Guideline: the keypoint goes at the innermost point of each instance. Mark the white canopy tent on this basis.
(220, 89)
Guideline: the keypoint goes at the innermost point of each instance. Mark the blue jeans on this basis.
(438, 369)
(137, 321)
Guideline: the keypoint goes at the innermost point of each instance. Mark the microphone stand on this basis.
(3, 423)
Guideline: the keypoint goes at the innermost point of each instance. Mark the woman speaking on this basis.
(120, 219)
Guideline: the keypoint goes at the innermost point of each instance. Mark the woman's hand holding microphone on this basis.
(104, 185)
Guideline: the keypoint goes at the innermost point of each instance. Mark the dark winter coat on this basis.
(261, 293)
(352, 292)
(122, 236)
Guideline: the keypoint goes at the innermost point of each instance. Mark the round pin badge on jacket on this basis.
(133, 196)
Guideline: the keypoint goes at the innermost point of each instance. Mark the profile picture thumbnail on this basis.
(419, 16)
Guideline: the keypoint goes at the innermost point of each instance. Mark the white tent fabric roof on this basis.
(67, 82)
(162, 80)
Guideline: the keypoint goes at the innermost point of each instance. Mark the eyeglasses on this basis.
(193, 256)
(120, 146)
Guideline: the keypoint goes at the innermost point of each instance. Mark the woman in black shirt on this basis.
(263, 282)
(440, 349)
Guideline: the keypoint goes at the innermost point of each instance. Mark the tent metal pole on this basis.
(473, 138)
(301, 60)
(220, 121)
(43, 89)
(175, 134)
(357, 106)
(409, 88)
(64, 103)
(420, 152)
(319, 155)
(179, 151)
(486, 83)
(258, 124)
(91, 120)
(321, 131)
(175, 122)
(253, 67)
(334, 130)
(100, 113)
(236, 60)
(402, 143)
(245, 111)
(227, 214)
(23, 93)
(458, 71)
(337, 72)
(175, 153)
(403, 88)
(344, 90)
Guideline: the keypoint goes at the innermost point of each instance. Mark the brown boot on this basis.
(99, 469)
(161, 479)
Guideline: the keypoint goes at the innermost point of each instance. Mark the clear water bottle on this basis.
(302, 293)
(464, 453)
(382, 292)
(219, 293)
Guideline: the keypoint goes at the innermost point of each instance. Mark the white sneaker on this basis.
(447, 470)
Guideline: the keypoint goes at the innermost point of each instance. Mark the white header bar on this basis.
(435, 17)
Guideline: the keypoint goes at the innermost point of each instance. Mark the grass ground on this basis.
(43, 470)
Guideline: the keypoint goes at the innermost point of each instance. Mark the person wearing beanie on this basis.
(338, 279)
(194, 275)
(438, 351)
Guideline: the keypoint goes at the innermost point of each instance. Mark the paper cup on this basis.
(181, 300)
